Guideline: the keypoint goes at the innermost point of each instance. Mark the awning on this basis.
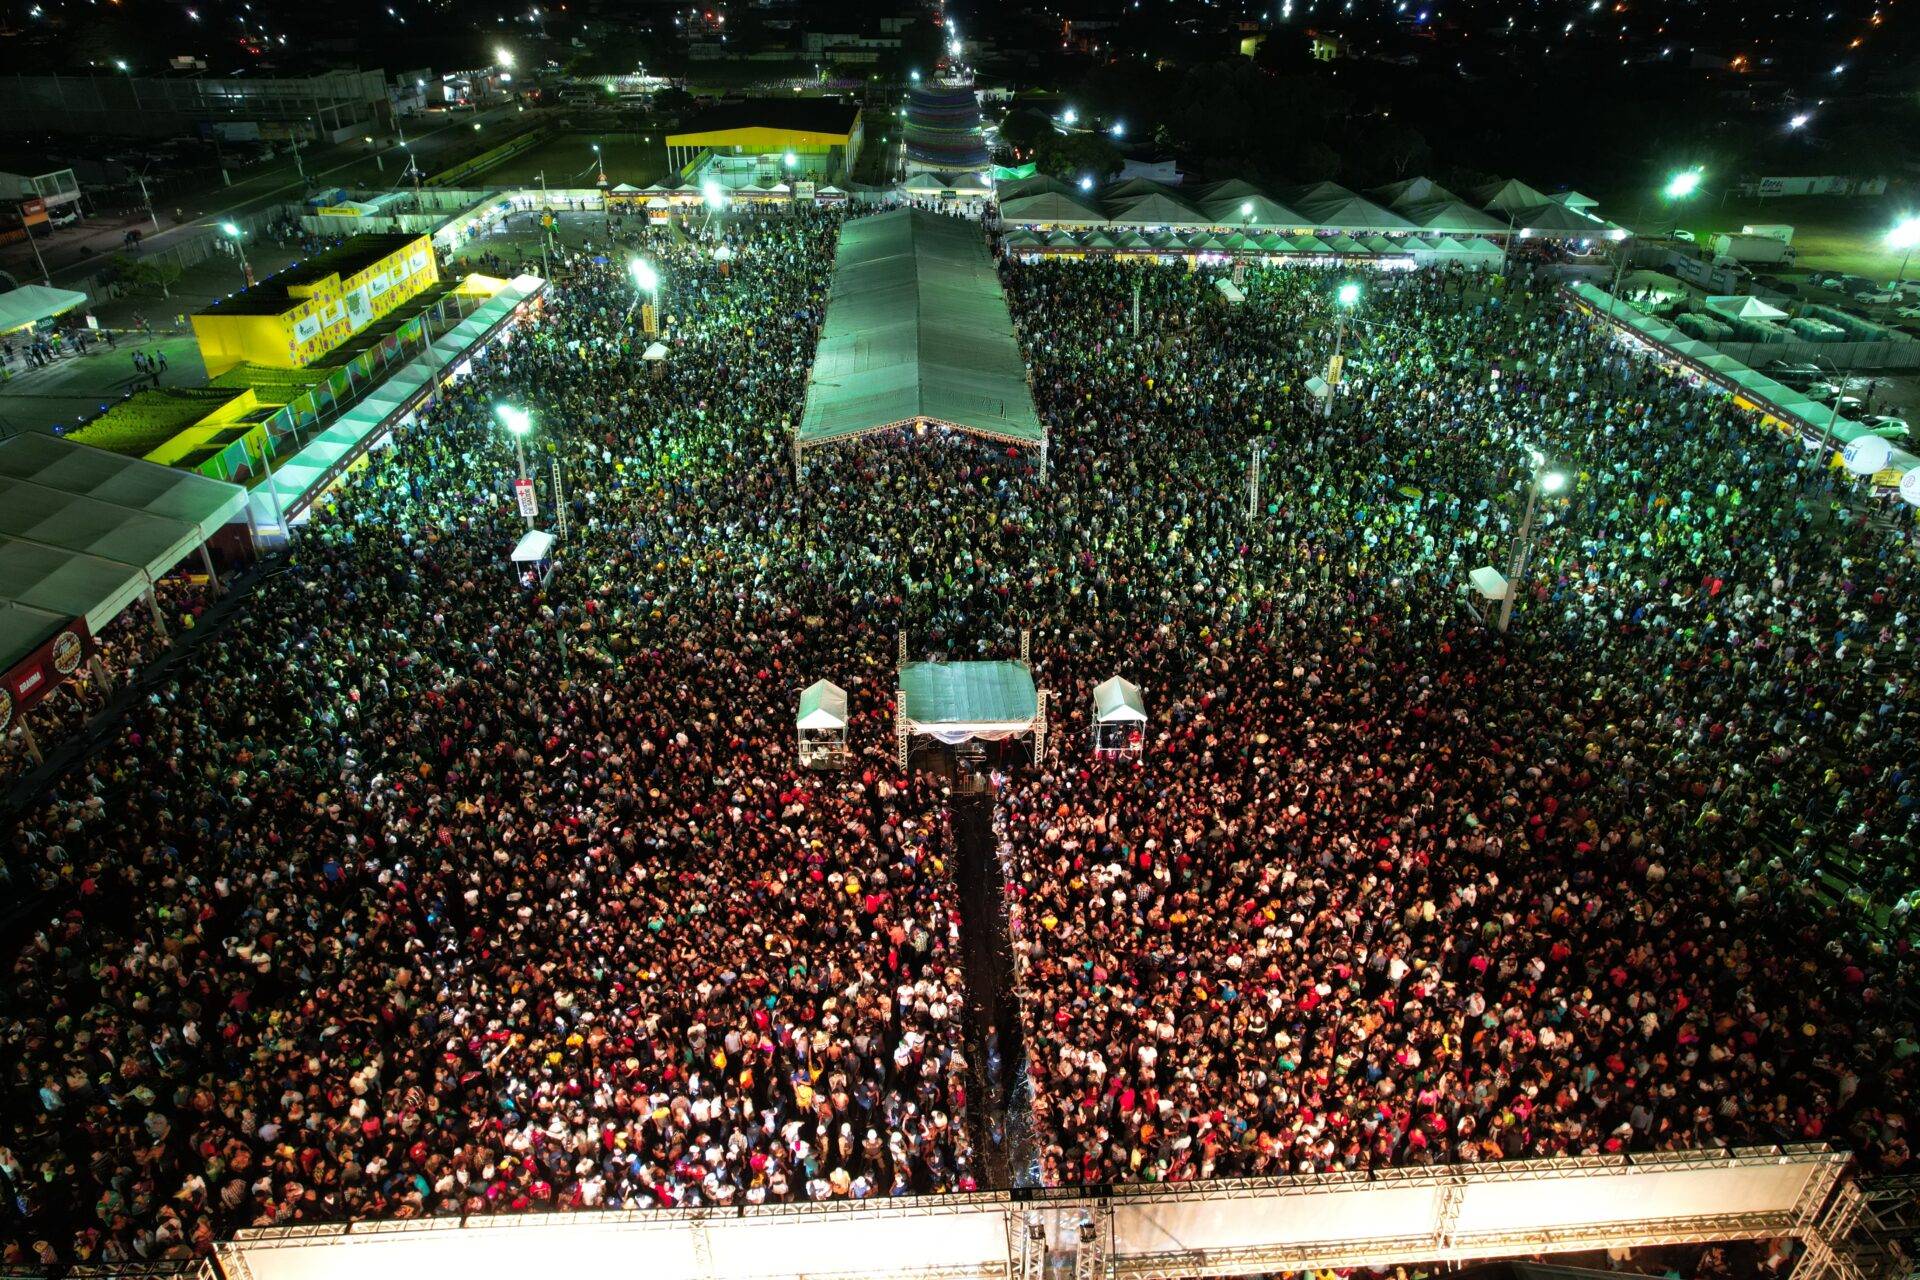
(32, 303)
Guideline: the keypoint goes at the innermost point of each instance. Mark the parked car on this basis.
(1791, 373)
(1885, 424)
(1874, 297)
(1681, 233)
(1787, 287)
(1910, 313)
(1911, 288)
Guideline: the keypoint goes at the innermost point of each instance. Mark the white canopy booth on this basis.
(655, 358)
(1119, 720)
(533, 558)
(822, 726)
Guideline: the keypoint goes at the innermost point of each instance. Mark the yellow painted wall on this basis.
(226, 341)
(203, 431)
(759, 141)
(320, 316)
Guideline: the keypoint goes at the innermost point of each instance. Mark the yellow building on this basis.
(289, 320)
(823, 135)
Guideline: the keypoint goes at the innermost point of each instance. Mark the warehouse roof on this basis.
(917, 331)
(270, 296)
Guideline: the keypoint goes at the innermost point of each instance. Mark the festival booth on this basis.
(822, 726)
(959, 702)
(533, 558)
(655, 358)
(1119, 720)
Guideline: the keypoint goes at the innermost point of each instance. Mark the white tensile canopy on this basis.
(1742, 307)
(1489, 582)
(1118, 699)
(533, 546)
(823, 705)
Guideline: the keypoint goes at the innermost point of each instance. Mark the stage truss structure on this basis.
(1208, 1229)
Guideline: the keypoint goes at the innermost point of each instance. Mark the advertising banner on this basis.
(42, 671)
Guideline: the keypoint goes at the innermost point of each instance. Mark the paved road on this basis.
(75, 251)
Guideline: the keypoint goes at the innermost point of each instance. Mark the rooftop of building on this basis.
(802, 115)
(271, 296)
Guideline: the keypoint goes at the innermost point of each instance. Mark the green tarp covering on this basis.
(917, 330)
(959, 700)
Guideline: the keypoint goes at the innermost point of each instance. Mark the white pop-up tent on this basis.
(1119, 719)
(1742, 307)
(822, 726)
(533, 557)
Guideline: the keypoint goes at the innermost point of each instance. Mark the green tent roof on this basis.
(967, 698)
(917, 330)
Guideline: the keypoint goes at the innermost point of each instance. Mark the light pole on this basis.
(1679, 187)
(1833, 411)
(646, 279)
(518, 422)
(1346, 298)
(240, 242)
(1904, 236)
(1543, 482)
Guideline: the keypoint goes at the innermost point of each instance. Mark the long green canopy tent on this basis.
(917, 333)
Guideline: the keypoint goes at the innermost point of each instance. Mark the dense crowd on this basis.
(1387, 890)
(123, 647)
(424, 890)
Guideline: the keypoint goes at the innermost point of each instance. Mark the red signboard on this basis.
(41, 672)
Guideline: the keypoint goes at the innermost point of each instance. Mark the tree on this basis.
(1077, 154)
(1025, 129)
(148, 273)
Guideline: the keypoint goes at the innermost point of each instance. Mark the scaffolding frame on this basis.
(1034, 1233)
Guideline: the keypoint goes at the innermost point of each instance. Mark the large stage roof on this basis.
(917, 331)
(968, 698)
